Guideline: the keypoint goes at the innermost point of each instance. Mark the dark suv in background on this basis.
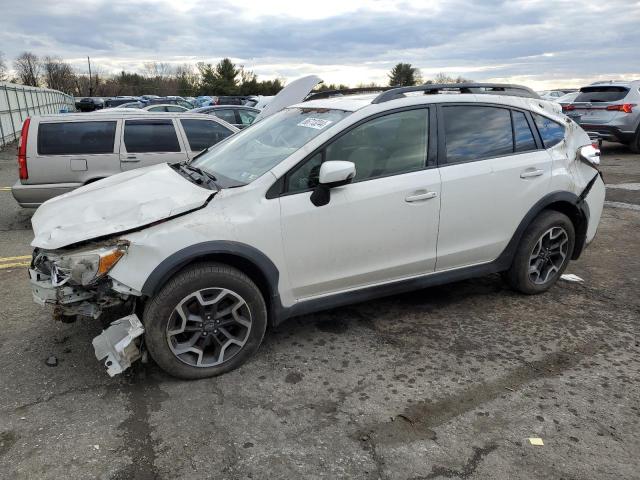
(89, 104)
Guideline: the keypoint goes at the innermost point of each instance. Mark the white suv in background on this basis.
(325, 203)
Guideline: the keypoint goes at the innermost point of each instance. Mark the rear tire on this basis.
(543, 254)
(207, 320)
(635, 143)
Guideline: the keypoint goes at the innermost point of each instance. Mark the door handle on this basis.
(131, 158)
(420, 196)
(531, 172)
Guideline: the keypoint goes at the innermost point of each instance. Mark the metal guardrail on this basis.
(17, 102)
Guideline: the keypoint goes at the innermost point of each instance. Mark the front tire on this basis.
(543, 254)
(207, 320)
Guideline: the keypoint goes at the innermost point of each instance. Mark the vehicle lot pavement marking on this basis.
(10, 262)
(624, 186)
(628, 206)
(5, 189)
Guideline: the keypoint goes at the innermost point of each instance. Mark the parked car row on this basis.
(89, 104)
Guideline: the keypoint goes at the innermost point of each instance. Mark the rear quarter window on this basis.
(601, 94)
(76, 138)
(550, 131)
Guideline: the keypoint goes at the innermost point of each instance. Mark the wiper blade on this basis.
(201, 172)
(202, 176)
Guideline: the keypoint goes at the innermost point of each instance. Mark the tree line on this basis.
(159, 78)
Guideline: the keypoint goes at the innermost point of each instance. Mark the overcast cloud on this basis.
(539, 43)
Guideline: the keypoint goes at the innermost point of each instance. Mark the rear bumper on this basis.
(32, 196)
(609, 132)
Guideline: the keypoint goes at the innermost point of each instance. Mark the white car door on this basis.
(488, 184)
(148, 141)
(381, 227)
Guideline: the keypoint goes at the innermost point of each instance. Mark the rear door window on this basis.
(203, 133)
(522, 134)
(551, 132)
(476, 132)
(144, 136)
(76, 138)
(601, 94)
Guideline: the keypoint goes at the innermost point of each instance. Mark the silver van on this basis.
(58, 153)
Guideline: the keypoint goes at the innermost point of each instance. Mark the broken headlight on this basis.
(84, 267)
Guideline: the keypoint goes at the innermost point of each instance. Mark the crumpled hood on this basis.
(116, 204)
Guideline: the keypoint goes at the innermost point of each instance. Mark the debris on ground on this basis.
(570, 277)
(52, 361)
(536, 441)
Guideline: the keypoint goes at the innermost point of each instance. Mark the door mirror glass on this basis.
(334, 173)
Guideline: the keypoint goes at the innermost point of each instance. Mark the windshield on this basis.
(245, 156)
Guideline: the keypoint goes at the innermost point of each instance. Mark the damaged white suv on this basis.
(328, 202)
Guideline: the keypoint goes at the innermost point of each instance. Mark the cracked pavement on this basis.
(447, 382)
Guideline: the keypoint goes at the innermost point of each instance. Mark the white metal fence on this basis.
(17, 102)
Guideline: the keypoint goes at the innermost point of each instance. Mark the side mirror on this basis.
(333, 173)
(336, 172)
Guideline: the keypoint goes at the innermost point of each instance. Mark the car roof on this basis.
(126, 112)
(154, 105)
(220, 107)
(352, 103)
(614, 83)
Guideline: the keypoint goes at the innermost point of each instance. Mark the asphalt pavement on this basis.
(447, 382)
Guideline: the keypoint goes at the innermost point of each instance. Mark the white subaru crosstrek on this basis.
(327, 202)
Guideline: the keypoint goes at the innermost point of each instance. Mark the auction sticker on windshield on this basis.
(317, 123)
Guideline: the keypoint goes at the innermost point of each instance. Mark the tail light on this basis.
(22, 151)
(568, 108)
(624, 107)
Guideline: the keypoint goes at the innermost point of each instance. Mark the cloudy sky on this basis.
(539, 43)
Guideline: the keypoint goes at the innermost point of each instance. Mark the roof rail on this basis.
(345, 91)
(478, 88)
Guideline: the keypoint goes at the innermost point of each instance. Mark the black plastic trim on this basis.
(504, 89)
(172, 264)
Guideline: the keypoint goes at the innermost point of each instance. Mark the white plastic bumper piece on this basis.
(116, 345)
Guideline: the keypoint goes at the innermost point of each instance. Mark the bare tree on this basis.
(3, 68)
(158, 69)
(58, 75)
(28, 68)
(444, 78)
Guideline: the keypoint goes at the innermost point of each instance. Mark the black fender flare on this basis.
(178, 260)
(503, 262)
